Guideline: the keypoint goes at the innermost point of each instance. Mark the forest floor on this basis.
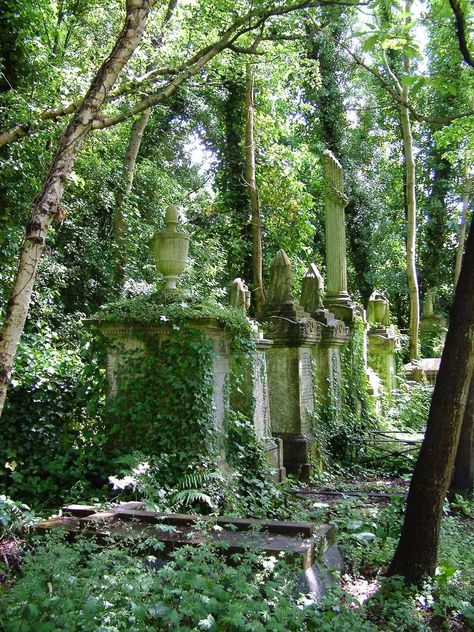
(367, 512)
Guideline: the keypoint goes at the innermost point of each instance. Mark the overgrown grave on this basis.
(309, 547)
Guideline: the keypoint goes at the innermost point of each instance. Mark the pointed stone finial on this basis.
(378, 309)
(312, 290)
(239, 296)
(171, 218)
(280, 289)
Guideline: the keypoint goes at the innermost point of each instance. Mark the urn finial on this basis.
(170, 248)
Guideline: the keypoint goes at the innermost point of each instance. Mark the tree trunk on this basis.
(123, 193)
(462, 481)
(418, 545)
(46, 205)
(414, 324)
(257, 265)
(462, 228)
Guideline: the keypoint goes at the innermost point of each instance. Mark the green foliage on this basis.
(150, 405)
(84, 587)
(13, 516)
(50, 439)
(252, 490)
(410, 405)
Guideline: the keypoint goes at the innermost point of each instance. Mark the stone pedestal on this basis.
(433, 330)
(382, 346)
(383, 341)
(326, 355)
(327, 361)
(248, 394)
(148, 342)
(433, 327)
(289, 365)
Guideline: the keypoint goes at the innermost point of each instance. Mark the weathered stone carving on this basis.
(433, 326)
(428, 305)
(280, 288)
(239, 296)
(312, 290)
(383, 341)
(378, 309)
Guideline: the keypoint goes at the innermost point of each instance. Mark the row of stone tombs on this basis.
(295, 365)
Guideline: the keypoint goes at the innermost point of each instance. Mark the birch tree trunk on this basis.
(418, 545)
(257, 275)
(412, 277)
(462, 228)
(123, 193)
(46, 205)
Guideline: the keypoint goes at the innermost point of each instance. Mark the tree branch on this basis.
(461, 32)
(436, 120)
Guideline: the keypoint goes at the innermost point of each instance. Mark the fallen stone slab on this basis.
(312, 547)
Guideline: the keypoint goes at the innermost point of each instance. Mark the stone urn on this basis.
(171, 248)
(378, 309)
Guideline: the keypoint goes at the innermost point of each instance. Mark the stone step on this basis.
(302, 541)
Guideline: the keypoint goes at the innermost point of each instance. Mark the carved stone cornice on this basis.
(292, 333)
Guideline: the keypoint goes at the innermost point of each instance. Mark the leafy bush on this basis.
(410, 405)
(13, 516)
(50, 435)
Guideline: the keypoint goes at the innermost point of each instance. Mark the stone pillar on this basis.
(289, 366)
(337, 296)
(334, 334)
(249, 386)
(382, 341)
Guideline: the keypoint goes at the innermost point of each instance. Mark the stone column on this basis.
(337, 296)
(289, 366)
(335, 202)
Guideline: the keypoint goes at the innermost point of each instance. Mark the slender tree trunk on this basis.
(462, 228)
(257, 265)
(462, 481)
(123, 193)
(46, 205)
(418, 545)
(414, 324)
